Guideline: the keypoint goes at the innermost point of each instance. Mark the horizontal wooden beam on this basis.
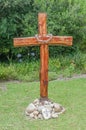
(61, 40)
(56, 40)
(26, 41)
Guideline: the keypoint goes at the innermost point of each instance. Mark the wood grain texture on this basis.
(42, 24)
(43, 57)
(44, 71)
(56, 40)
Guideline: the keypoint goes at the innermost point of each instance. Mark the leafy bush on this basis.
(80, 61)
(19, 18)
(59, 67)
(7, 72)
(68, 18)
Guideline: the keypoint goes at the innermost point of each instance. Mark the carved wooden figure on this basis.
(43, 40)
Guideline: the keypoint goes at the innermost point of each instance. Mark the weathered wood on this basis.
(43, 57)
(42, 24)
(44, 71)
(43, 40)
(56, 40)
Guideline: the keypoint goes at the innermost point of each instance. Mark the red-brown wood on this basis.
(42, 24)
(43, 57)
(44, 71)
(41, 39)
(56, 40)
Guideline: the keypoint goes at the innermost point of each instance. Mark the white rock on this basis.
(54, 115)
(36, 101)
(36, 105)
(36, 113)
(40, 108)
(48, 107)
(46, 113)
(57, 107)
(49, 103)
(27, 114)
(43, 110)
(52, 105)
(53, 110)
(63, 110)
(35, 117)
(40, 116)
(46, 102)
(31, 115)
(30, 108)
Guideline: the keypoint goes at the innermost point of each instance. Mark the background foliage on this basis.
(19, 18)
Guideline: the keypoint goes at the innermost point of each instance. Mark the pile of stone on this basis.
(43, 109)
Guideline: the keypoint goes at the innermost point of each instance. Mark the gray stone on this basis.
(36, 117)
(54, 115)
(40, 116)
(36, 101)
(27, 114)
(43, 110)
(36, 105)
(46, 113)
(63, 110)
(52, 105)
(46, 102)
(57, 107)
(40, 108)
(36, 113)
(53, 110)
(30, 108)
(48, 107)
(31, 115)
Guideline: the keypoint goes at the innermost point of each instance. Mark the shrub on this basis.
(19, 18)
(29, 71)
(7, 72)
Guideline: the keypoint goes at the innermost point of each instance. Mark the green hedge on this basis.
(19, 18)
(63, 66)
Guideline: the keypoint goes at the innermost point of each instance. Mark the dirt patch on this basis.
(73, 77)
(3, 87)
(3, 83)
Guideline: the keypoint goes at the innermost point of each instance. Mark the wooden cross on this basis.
(43, 40)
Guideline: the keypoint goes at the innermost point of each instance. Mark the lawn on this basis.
(15, 97)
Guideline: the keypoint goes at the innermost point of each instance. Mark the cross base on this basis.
(44, 99)
(44, 109)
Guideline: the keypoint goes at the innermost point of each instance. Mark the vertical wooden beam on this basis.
(44, 71)
(42, 24)
(43, 57)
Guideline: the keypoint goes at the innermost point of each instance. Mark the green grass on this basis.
(70, 93)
